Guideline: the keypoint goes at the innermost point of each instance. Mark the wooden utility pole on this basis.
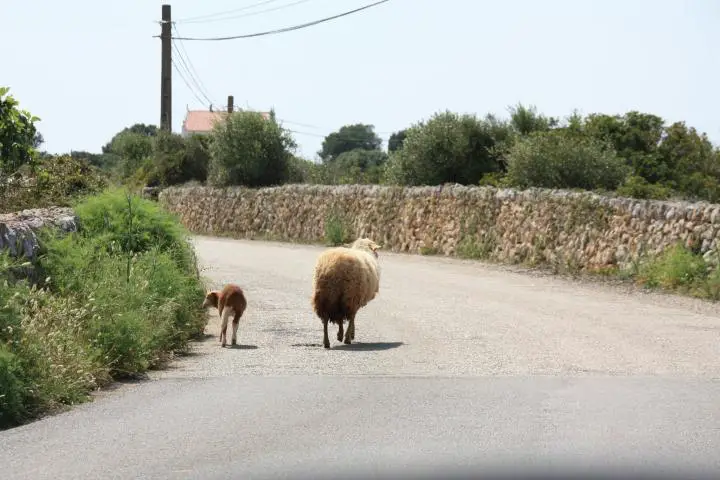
(166, 70)
(231, 103)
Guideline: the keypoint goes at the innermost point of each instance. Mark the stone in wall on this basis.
(538, 226)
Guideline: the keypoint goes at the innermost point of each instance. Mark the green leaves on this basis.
(246, 149)
(17, 134)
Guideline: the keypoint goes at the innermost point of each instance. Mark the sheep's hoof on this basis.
(326, 344)
(339, 337)
(347, 341)
(234, 342)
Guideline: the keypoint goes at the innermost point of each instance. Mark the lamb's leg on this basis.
(340, 331)
(224, 325)
(235, 324)
(350, 329)
(326, 340)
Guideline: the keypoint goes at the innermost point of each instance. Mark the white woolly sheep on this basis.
(346, 278)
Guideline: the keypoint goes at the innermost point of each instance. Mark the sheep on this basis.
(229, 301)
(346, 278)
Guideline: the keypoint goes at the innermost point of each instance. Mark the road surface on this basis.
(456, 366)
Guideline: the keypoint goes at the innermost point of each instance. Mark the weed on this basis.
(337, 231)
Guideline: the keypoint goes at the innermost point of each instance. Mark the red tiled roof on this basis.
(204, 120)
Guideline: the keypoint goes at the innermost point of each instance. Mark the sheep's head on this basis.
(367, 245)
(211, 299)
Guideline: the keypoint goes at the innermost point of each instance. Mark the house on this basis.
(202, 121)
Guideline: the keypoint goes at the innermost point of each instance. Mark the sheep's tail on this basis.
(325, 302)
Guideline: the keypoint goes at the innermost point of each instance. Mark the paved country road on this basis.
(456, 366)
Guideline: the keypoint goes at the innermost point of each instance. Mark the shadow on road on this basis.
(242, 347)
(369, 347)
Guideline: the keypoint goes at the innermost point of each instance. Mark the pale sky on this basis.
(90, 68)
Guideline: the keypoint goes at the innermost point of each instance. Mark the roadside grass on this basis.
(120, 297)
(680, 270)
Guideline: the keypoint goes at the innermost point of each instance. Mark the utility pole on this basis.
(166, 70)
(231, 103)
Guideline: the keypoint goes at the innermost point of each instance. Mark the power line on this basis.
(191, 69)
(234, 17)
(283, 30)
(182, 77)
(218, 14)
(189, 73)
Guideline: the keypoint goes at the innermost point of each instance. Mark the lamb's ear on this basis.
(375, 247)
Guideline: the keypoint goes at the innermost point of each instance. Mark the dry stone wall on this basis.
(578, 230)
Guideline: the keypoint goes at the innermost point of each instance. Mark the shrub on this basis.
(246, 149)
(676, 267)
(178, 160)
(337, 231)
(132, 224)
(54, 181)
(119, 301)
(447, 148)
(637, 187)
(560, 159)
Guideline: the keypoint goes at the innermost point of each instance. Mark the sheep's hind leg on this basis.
(340, 331)
(326, 340)
(235, 324)
(223, 326)
(350, 332)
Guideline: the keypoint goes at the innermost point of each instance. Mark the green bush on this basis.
(129, 223)
(246, 149)
(560, 159)
(447, 148)
(53, 181)
(675, 268)
(13, 389)
(636, 186)
(119, 301)
(336, 227)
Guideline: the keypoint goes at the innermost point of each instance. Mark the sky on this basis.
(88, 68)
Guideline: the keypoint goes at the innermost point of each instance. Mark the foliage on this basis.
(357, 166)
(110, 310)
(396, 140)
(56, 180)
(132, 149)
(248, 150)
(337, 230)
(137, 129)
(447, 148)
(562, 159)
(178, 160)
(18, 134)
(130, 224)
(636, 186)
(349, 137)
(526, 120)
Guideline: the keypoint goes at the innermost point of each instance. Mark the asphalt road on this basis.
(456, 366)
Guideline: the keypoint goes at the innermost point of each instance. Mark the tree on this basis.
(563, 159)
(396, 140)
(18, 134)
(349, 137)
(357, 166)
(635, 137)
(526, 120)
(137, 128)
(131, 150)
(447, 148)
(246, 149)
